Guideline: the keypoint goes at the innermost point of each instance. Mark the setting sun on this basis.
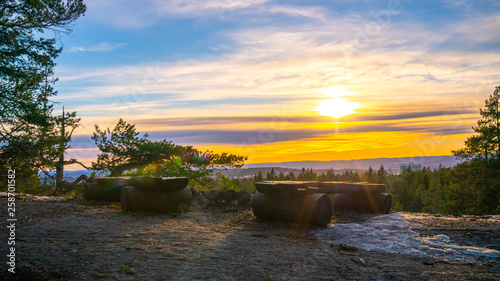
(336, 107)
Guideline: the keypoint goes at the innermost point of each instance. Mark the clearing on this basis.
(71, 239)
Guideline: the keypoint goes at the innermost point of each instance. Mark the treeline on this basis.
(458, 190)
(468, 188)
(330, 175)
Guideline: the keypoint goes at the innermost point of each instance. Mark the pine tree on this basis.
(258, 177)
(381, 175)
(272, 174)
(330, 175)
(370, 175)
(28, 138)
(123, 151)
(480, 167)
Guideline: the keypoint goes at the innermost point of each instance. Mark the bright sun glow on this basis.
(336, 107)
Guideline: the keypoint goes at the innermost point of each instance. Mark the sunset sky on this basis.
(283, 80)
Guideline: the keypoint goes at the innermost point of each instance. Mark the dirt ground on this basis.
(70, 239)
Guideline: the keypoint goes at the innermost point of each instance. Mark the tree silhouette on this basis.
(487, 140)
(479, 171)
(27, 137)
(123, 151)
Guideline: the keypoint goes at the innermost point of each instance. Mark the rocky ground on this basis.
(218, 239)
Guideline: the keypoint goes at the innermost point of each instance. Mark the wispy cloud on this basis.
(296, 64)
(193, 8)
(102, 47)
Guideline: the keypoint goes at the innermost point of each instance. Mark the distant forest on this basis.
(442, 190)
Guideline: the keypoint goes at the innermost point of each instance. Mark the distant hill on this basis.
(390, 164)
(359, 165)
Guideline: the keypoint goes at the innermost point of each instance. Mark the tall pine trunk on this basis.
(60, 162)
